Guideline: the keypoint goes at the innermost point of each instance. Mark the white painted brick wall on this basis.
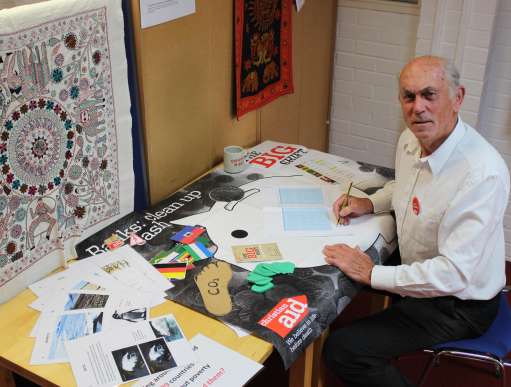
(371, 48)
(495, 114)
(426, 25)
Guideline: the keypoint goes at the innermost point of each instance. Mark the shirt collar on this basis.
(439, 157)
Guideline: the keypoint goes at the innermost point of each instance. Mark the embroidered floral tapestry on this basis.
(262, 51)
(64, 121)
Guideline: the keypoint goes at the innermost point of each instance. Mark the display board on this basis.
(227, 211)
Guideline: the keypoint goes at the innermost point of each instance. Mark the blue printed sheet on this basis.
(306, 219)
(310, 196)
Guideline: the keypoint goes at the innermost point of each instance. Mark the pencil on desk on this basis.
(344, 203)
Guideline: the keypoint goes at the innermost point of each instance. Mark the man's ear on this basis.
(458, 98)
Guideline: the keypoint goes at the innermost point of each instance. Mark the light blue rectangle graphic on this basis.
(305, 219)
(300, 196)
(70, 327)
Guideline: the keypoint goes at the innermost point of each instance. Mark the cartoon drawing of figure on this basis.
(41, 215)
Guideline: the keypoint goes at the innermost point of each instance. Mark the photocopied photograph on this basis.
(130, 363)
(167, 328)
(85, 301)
(131, 315)
(157, 355)
(55, 329)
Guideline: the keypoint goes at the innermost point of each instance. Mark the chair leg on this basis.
(502, 367)
(433, 361)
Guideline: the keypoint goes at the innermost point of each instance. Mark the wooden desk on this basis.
(17, 320)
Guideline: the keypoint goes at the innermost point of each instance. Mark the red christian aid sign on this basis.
(286, 315)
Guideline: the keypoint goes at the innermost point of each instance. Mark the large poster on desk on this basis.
(65, 132)
(280, 204)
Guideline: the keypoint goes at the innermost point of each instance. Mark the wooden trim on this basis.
(328, 118)
(6, 378)
(383, 5)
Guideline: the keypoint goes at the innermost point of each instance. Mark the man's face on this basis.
(428, 109)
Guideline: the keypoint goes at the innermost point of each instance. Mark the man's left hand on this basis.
(352, 261)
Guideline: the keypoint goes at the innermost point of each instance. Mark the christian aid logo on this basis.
(286, 315)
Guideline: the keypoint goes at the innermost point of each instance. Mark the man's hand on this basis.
(355, 207)
(352, 261)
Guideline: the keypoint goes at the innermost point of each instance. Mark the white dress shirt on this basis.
(449, 211)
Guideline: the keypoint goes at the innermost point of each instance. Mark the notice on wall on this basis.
(153, 12)
(299, 4)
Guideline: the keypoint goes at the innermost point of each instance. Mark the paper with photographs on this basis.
(216, 365)
(133, 271)
(109, 292)
(123, 355)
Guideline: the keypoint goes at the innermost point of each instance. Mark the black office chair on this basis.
(491, 347)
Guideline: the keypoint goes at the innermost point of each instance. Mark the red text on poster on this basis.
(286, 315)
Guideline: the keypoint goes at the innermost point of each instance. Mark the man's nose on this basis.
(419, 105)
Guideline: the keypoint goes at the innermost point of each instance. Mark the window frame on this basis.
(395, 6)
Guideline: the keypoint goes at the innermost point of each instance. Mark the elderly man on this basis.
(449, 197)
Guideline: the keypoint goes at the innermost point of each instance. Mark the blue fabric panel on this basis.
(141, 199)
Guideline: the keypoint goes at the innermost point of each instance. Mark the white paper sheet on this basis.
(66, 279)
(132, 270)
(53, 329)
(78, 281)
(239, 331)
(119, 356)
(153, 12)
(217, 365)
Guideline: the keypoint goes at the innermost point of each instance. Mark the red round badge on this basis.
(416, 207)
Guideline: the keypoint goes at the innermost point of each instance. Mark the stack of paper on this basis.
(101, 293)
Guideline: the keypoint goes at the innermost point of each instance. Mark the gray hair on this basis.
(452, 76)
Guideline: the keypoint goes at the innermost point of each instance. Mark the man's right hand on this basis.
(354, 208)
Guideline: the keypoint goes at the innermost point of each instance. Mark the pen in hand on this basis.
(344, 203)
